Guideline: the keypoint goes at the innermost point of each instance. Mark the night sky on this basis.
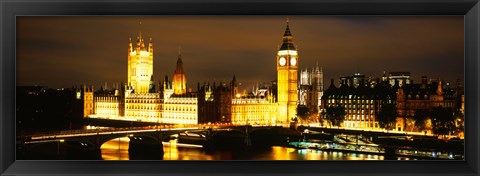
(65, 51)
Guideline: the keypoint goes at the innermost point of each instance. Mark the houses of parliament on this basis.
(168, 101)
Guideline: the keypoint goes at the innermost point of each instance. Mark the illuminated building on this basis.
(400, 77)
(180, 110)
(287, 68)
(142, 102)
(363, 101)
(254, 110)
(107, 106)
(356, 79)
(177, 108)
(256, 107)
(310, 91)
(317, 81)
(86, 95)
(179, 78)
(223, 103)
(139, 100)
(140, 65)
(145, 107)
(412, 98)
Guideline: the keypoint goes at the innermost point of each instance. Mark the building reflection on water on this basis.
(117, 149)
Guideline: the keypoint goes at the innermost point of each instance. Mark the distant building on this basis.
(400, 77)
(412, 98)
(355, 80)
(363, 101)
(310, 90)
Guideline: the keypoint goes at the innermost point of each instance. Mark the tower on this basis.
(88, 102)
(287, 76)
(234, 86)
(140, 65)
(317, 82)
(179, 78)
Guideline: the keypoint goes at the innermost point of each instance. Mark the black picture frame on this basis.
(10, 9)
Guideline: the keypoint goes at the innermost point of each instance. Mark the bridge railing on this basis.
(82, 131)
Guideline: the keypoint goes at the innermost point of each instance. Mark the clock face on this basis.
(283, 61)
(293, 61)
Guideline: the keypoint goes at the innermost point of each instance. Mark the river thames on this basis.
(117, 149)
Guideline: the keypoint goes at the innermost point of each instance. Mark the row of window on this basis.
(251, 117)
(362, 124)
(253, 109)
(143, 107)
(358, 111)
(180, 108)
(141, 114)
(359, 117)
(106, 100)
(156, 101)
(350, 101)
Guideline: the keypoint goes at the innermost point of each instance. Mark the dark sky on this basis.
(66, 51)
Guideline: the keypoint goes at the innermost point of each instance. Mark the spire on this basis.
(139, 29)
(287, 39)
(439, 87)
(179, 68)
(287, 30)
(234, 80)
(130, 47)
(316, 68)
(150, 45)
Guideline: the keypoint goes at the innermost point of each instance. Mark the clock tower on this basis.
(287, 70)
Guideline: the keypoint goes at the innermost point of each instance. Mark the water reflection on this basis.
(175, 151)
(117, 149)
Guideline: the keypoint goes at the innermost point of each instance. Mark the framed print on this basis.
(255, 87)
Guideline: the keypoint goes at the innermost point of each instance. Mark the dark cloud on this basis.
(66, 51)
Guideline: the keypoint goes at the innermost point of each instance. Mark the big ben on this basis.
(287, 69)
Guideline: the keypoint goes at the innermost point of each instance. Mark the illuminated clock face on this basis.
(283, 61)
(293, 61)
